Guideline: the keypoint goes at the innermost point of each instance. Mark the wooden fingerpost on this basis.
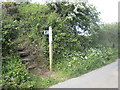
(50, 47)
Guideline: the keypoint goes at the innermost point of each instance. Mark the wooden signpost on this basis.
(49, 32)
(50, 47)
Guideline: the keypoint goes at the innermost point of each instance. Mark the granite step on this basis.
(24, 54)
(26, 59)
(20, 48)
(31, 67)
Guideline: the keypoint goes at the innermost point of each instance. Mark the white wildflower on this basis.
(28, 77)
(69, 64)
(86, 57)
(82, 57)
(74, 58)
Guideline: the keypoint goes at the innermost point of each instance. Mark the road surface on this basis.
(105, 77)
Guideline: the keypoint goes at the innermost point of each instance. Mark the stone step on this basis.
(20, 48)
(24, 60)
(31, 67)
(24, 54)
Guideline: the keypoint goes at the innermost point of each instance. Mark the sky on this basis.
(108, 9)
(41, 1)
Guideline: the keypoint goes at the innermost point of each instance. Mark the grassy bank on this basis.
(79, 64)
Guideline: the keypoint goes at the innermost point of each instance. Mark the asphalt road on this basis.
(105, 77)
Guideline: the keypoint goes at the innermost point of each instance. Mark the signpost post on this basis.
(50, 47)
(49, 32)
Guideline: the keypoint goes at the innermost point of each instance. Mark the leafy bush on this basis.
(65, 33)
(36, 18)
(15, 74)
(10, 31)
(107, 36)
(79, 63)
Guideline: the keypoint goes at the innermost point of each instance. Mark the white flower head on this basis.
(86, 57)
(69, 65)
(74, 58)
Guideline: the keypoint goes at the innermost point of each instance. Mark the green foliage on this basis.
(107, 36)
(15, 74)
(48, 82)
(79, 63)
(66, 39)
(73, 54)
(63, 17)
(10, 31)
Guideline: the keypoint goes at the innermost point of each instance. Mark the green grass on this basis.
(43, 82)
(76, 65)
(70, 67)
(80, 64)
